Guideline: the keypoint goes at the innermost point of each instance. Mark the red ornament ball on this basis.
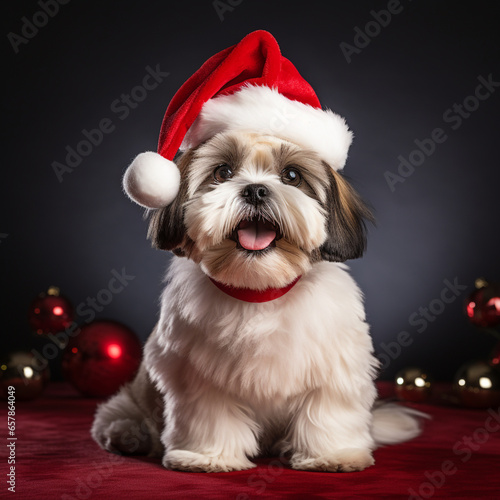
(495, 356)
(413, 385)
(477, 384)
(103, 356)
(483, 304)
(50, 312)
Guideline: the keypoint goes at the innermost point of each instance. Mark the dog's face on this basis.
(256, 211)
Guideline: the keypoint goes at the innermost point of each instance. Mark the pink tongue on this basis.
(255, 235)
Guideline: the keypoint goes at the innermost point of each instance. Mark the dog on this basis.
(261, 345)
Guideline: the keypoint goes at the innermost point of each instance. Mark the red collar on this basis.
(249, 295)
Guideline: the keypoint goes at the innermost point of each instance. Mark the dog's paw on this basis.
(344, 460)
(118, 437)
(196, 462)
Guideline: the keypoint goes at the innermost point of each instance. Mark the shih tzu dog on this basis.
(261, 345)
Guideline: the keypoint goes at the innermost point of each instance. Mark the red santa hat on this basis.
(249, 86)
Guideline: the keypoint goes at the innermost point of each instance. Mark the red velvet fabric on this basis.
(57, 459)
(255, 60)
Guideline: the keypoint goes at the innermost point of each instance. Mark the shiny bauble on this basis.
(103, 356)
(482, 307)
(477, 384)
(22, 371)
(413, 385)
(495, 356)
(50, 312)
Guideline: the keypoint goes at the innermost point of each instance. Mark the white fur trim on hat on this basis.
(265, 110)
(151, 180)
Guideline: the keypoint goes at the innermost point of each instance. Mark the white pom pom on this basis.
(151, 180)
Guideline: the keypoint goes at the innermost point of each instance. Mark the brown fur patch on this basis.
(345, 222)
(262, 158)
(219, 150)
(309, 164)
(166, 225)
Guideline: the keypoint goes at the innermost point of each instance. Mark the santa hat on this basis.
(250, 87)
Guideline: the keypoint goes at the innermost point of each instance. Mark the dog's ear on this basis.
(346, 221)
(167, 230)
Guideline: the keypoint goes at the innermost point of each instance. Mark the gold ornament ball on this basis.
(477, 384)
(413, 384)
(21, 371)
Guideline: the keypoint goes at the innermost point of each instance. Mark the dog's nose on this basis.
(255, 193)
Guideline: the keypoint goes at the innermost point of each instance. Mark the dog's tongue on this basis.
(255, 235)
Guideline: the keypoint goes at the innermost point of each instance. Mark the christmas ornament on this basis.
(101, 358)
(477, 384)
(249, 86)
(413, 384)
(483, 304)
(495, 356)
(20, 370)
(50, 312)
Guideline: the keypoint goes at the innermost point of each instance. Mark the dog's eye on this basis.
(223, 173)
(291, 176)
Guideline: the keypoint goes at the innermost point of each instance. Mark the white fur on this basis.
(220, 361)
(232, 373)
(233, 379)
(151, 180)
(266, 111)
(393, 423)
(219, 209)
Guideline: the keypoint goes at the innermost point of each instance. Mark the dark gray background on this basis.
(441, 223)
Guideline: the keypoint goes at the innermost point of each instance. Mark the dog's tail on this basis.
(393, 423)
